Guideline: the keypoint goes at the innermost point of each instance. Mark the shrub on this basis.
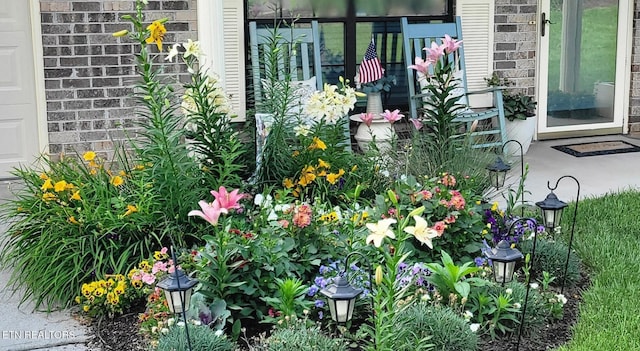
(551, 256)
(74, 221)
(537, 314)
(300, 337)
(445, 329)
(202, 338)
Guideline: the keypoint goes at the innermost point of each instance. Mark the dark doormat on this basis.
(597, 148)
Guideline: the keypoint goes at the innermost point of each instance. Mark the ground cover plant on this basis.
(266, 248)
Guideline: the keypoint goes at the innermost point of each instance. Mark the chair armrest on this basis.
(487, 90)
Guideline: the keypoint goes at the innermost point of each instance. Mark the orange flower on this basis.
(317, 144)
(287, 183)
(130, 209)
(73, 220)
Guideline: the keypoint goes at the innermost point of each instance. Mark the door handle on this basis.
(543, 22)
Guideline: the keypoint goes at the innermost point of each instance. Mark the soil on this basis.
(121, 333)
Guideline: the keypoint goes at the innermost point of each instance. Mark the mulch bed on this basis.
(121, 333)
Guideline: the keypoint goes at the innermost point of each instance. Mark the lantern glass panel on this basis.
(341, 310)
(497, 178)
(503, 271)
(552, 218)
(175, 298)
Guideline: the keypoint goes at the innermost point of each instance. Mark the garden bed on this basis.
(122, 333)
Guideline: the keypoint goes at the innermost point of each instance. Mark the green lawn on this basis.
(598, 49)
(607, 238)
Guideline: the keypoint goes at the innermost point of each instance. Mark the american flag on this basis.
(370, 69)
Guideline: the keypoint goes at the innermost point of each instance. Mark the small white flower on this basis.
(534, 285)
(219, 332)
(180, 324)
(172, 53)
(272, 216)
(509, 291)
(425, 297)
(192, 48)
(171, 321)
(302, 129)
(517, 305)
(385, 173)
(468, 315)
(154, 330)
(562, 298)
(258, 199)
(164, 331)
(197, 322)
(474, 327)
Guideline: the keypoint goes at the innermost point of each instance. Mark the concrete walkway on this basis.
(23, 329)
(597, 175)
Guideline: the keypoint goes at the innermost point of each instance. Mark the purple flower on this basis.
(323, 269)
(319, 303)
(479, 261)
(321, 282)
(320, 314)
(402, 266)
(313, 289)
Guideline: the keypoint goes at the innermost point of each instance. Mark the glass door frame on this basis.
(622, 78)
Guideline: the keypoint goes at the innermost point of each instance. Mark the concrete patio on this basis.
(21, 328)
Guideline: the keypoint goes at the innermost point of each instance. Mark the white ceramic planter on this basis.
(522, 131)
(380, 129)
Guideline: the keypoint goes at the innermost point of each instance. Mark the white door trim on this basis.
(622, 76)
(38, 65)
(210, 35)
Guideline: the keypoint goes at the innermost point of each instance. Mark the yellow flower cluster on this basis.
(103, 295)
(52, 190)
(311, 173)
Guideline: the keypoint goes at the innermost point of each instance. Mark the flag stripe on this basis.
(370, 69)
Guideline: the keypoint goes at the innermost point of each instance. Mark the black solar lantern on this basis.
(503, 259)
(498, 172)
(177, 289)
(551, 208)
(342, 299)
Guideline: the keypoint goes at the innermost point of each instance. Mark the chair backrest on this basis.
(299, 54)
(416, 37)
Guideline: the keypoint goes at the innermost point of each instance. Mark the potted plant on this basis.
(374, 93)
(519, 112)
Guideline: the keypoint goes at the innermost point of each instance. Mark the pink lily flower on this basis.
(421, 66)
(227, 200)
(210, 211)
(367, 118)
(450, 44)
(435, 52)
(392, 116)
(416, 123)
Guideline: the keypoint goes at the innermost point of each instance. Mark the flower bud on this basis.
(378, 276)
(121, 33)
(417, 211)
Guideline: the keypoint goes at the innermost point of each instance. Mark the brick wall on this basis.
(89, 74)
(516, 43)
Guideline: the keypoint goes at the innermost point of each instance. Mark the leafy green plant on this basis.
(74, 220)
(289, 301)
(383, 84)
(299, 336)
(422, 326)
(449, 278)
(517, 106)
(201, 337)
(551, 256)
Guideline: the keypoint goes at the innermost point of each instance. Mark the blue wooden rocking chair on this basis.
(491, 121)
